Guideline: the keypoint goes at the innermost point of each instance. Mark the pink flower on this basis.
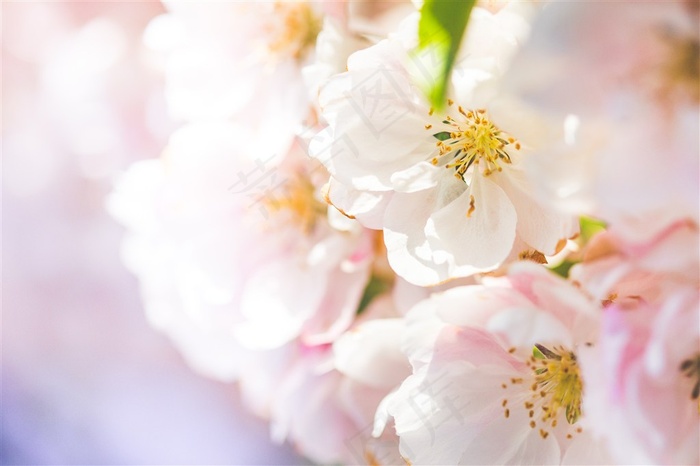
(643, 376)
(496, 378)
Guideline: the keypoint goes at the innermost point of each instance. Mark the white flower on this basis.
(446, 188)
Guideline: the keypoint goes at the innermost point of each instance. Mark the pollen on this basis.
(472, 138)
(472, 206)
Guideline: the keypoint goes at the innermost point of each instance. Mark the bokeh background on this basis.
(85, 380)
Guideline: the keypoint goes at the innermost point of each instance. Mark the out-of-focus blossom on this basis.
(446, 187)
(85, 380)
(644, 374)
(628, 102)
(260, 63)
(233, 249)
(496, 378)
(224, 56)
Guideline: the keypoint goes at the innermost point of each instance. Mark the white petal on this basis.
(524, 327)
(335, 312)
(371, 353)
(408, 250)
(475, 305)
(366, 206)
(540, 227)
(377, 128)
(277, 301)
(483, 238)
(420, 176)
(584, 449)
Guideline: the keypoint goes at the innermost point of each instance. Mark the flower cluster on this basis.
(509, 278)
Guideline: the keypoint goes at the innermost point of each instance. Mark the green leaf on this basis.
(440, 30)
(443, 136)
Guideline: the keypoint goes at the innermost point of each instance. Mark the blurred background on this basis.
(85, 380)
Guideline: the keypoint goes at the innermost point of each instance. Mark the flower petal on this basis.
(481, 238)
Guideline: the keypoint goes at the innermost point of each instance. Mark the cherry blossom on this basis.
(643, 379)
(496, 377)
(446, 187)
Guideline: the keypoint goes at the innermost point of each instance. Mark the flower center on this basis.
(556, 385)
(472, 139)
(298, 200)
(557, 375)
(295, 32)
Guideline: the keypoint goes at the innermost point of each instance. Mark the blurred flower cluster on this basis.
(509, 277)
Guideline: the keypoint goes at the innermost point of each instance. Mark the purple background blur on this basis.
(85, 380)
